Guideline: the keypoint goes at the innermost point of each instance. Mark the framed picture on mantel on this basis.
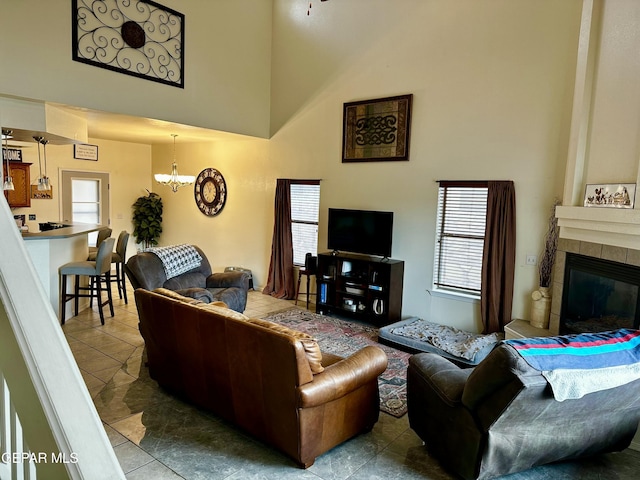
(377, 130)
(614, 195)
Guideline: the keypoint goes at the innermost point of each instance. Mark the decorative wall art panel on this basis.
(377, 130)
(616, 195)
(41, 194)
(136, 37)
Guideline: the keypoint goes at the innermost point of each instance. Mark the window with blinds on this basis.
(305, 205)
(462, 211)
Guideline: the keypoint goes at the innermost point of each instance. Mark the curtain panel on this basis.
(280, 281)
(499, 256)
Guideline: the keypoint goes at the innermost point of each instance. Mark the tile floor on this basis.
(156, 436)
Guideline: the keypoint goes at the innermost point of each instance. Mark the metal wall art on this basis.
(135, 37)
(377, 130)
(616, 195)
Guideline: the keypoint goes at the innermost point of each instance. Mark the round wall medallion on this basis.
(210, 191)
(133, 34)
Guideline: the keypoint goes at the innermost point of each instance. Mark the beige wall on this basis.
(227, 65)
(240, 235)
(492, 84)
(615, 123)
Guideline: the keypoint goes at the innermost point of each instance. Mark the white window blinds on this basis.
(305, 205)
(460, 230)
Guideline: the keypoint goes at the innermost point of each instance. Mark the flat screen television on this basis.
(360, 231)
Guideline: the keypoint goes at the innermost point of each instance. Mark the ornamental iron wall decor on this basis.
(135, 37)
(377, 130)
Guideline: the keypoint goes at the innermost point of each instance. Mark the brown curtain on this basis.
(499, 256)
(281, 283)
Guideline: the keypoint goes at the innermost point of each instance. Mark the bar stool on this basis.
(98, 271)
(102, 236)
(310, 265)
(119, 257)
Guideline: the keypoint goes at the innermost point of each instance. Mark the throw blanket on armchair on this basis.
(177, 259)
(575, 365)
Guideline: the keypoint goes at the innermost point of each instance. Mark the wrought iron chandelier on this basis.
(174, 180)
(8, 179)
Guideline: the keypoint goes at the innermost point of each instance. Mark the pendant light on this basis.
(43, 180)
(8, 180)
(174, 180)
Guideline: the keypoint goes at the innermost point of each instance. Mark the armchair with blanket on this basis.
(185, 269)
(529, 402)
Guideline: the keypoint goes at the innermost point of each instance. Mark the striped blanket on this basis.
(575, 365)
(177, 259)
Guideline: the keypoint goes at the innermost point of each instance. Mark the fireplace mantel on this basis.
(609, 226)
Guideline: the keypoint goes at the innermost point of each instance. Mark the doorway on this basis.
(85, 198)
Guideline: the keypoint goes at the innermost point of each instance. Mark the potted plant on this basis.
(147, 219)
(541, 306)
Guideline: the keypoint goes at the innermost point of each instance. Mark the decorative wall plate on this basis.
(210, 192)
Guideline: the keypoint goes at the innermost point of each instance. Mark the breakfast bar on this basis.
(51, 248)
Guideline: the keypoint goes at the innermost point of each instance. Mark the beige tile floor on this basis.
(157, 436)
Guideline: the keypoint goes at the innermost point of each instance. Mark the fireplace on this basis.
(599, 295)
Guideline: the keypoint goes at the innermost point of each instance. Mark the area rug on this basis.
(343, 338)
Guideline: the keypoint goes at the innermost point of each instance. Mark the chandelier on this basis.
(8, 180)
(174, 180)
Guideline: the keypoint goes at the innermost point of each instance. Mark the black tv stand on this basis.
(359, 286)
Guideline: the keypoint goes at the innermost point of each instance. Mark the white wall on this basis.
(227, 65)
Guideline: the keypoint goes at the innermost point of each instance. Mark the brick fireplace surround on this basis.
(628, 256)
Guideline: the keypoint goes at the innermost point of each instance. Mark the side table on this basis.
(523, 329)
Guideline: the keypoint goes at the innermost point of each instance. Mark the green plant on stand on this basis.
(541, 305)
(147, 219)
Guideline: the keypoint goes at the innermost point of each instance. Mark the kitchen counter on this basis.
(51, 249)
(65, 232)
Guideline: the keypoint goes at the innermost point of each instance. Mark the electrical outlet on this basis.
(532, 260)
(32, 217)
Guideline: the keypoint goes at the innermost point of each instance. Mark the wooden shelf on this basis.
(362, 287)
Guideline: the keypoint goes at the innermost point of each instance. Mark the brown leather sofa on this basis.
(269, 380)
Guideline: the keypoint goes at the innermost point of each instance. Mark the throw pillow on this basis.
(310, 345)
